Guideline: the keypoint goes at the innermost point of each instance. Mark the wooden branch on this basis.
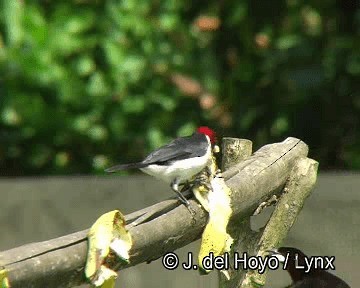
(298, 187)
(60, 262)
(253, 180)
(303, 175)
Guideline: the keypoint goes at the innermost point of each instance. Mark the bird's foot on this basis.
(191, 210)
(185, 202)
(202, 180)
(181, 197)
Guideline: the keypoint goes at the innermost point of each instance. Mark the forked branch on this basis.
(165, 226)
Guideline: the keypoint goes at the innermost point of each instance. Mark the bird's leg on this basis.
(175, 188)
(183, 200)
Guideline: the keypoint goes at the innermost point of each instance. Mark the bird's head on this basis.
(291, 256)
(208, 132)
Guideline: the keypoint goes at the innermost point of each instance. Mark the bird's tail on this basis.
(125, 166)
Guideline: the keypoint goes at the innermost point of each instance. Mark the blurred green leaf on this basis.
(85, 65)
(97, 85)
(82, 123)
(155, 138)
(10, 116)
(280, 126)
(168, 22)
(168, 103)
(62, 159)
(186, 129)
(133, 67)
(98, 133)
(14, 12)
(100, 162)
(287, 41)
(133, 104)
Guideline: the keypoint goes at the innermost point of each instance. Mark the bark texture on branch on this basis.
(60, 262)
(298, 187)
(234, 150)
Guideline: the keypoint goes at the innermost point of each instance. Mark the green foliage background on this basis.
(85, 84)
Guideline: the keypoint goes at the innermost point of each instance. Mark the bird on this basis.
(178, 161)
(314, 278)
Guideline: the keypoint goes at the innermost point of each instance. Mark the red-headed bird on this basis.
(178, 161)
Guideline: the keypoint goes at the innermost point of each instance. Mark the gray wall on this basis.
(37, 209)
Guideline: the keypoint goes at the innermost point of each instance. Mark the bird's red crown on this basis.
(208, 132)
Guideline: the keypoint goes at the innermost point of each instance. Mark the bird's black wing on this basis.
(178, 149)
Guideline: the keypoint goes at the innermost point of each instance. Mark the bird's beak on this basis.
(272, 251)
(277, 254)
